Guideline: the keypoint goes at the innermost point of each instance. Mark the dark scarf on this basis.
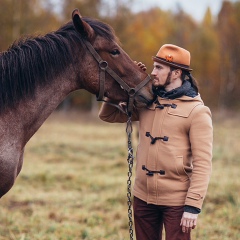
(186, 89)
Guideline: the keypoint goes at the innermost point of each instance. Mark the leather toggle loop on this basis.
(151, 172)
(154, 139)
(162, 106)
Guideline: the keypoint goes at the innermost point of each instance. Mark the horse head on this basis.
(119, 78)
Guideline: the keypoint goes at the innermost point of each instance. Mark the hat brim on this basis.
(181, 66)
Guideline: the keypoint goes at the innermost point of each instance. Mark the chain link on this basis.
(129, 181)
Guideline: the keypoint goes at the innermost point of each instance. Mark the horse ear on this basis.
(81, 26)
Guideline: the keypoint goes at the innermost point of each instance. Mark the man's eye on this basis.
(115, 52)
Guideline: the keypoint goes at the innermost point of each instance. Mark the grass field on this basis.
(73, 184)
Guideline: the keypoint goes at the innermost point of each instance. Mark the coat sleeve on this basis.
(201, 139)
(111, 114)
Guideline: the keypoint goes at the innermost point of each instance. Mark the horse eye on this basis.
(115, 52)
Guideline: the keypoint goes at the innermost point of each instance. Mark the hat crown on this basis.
(174, 56)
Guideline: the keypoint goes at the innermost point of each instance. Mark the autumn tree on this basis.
(205, 59)
(229, 38)
(23, 17)
(213, 43)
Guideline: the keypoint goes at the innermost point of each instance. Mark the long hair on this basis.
(186, 75)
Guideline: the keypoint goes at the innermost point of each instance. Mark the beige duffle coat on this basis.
(183, 156)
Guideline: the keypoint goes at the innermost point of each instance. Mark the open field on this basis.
(73, 184)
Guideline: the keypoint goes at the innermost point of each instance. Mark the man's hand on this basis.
(188, 221)
(141, 65)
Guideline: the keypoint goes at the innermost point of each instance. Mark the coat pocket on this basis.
(180, 168)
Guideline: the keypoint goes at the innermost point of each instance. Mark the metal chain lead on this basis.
(129, 182)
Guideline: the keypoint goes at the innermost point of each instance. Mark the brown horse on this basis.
(37, 73)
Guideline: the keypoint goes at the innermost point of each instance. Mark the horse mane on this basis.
(34, 61)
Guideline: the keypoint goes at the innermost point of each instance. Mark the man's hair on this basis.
(186, 75)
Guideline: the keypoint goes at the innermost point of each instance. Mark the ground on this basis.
(73, 184)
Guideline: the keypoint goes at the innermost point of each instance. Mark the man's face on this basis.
(161, 75)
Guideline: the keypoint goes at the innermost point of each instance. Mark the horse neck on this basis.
(32, 113)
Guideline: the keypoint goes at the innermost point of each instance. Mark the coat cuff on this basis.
(191, 209)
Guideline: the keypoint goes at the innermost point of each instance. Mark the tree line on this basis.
(214, 42)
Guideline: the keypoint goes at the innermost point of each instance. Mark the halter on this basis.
(103, 66)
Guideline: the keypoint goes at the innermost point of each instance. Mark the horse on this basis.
(38, 72)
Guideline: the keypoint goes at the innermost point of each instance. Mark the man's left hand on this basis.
(141, 65)
(188, 221)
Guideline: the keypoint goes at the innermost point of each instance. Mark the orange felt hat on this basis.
(174, 56)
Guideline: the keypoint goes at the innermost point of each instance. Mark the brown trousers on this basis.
(149, 220)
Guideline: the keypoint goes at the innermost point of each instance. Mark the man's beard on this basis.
(168, 80)
(161, 86)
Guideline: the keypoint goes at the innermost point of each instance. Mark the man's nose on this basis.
(153, 73)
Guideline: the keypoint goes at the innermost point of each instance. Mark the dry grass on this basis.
(73, 184)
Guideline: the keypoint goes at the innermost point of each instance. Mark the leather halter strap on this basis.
(103, 66)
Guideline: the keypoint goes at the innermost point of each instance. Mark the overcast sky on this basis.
(196, 8)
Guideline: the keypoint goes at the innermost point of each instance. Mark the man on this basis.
(173, 159)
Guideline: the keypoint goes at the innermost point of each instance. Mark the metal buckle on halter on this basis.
(103, 65)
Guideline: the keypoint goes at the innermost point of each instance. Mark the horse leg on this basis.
(9, 171)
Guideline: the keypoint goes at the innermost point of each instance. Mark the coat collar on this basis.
(184, 104)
